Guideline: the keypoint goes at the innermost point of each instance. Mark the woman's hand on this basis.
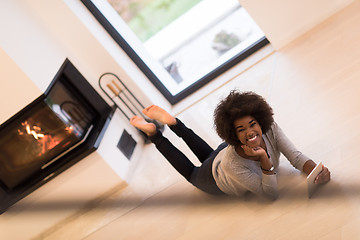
(323, 176)
(254, 152)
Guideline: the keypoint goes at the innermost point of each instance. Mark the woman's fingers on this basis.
(323, 177)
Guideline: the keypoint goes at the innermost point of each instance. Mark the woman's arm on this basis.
(308, 166)
(297, 158)
(241, 177)
(288, 149)
(265, 185)
(265, 164)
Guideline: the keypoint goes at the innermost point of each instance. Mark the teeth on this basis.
(252, 139)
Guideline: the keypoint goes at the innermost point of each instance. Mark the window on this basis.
(180, 45)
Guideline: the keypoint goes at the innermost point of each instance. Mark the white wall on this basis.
(283, 21)
(32, 49)
(16, 90)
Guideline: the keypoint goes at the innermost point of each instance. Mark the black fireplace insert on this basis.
(49, 135)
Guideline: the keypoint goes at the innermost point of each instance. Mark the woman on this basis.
(246, 161)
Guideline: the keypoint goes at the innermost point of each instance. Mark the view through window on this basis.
(180, 44)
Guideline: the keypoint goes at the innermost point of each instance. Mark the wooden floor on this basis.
(313, 86)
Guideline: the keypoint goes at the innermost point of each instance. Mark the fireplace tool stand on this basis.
(124, 99)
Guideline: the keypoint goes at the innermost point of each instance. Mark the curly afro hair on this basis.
(240, 104)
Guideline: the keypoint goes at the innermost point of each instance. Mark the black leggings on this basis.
(201, 177)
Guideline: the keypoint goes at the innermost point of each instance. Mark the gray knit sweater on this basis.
(235, 175)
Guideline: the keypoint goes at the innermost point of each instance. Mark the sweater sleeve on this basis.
(242, 177)
(287, 148)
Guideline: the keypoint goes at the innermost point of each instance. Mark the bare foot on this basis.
(141, 124)
(157, 113)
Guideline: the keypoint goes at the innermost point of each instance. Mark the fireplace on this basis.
(52, 133)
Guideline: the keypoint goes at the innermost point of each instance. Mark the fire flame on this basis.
(46, 141)
(35, 131)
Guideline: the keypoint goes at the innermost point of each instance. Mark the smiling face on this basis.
(248, 131)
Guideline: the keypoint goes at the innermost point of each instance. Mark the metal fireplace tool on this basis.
(124, 99)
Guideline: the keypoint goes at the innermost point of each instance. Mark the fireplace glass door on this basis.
(40, 135)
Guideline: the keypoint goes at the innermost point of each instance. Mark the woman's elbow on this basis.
(272, 196)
